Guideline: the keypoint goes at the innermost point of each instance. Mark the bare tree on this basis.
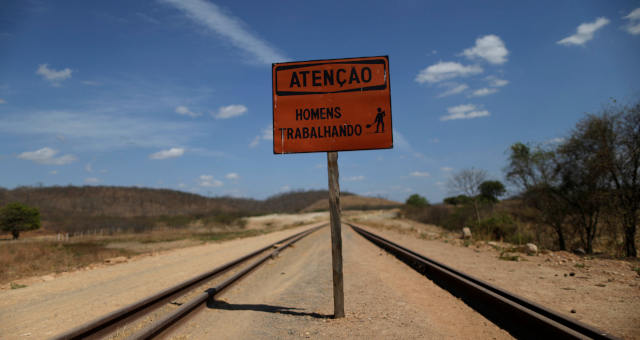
(468, 182)
(585, 184)
(612, 140)
(535, 173)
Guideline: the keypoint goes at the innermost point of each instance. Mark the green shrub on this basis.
(16, 217)
(17, 285)
(509, 257)
(416, 200)
(498, 226)
(457, 200)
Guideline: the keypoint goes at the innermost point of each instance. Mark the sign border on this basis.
(324, 61)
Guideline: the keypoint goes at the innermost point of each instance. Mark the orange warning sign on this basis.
(332, 105)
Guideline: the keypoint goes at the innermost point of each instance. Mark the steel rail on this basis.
(167, 320)
(129, 313)
(521, 317)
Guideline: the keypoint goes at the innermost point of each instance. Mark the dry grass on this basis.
(31, 258)
(41, 255)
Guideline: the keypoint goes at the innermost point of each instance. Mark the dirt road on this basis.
(601, 292)
(49, 308)
(291, 297)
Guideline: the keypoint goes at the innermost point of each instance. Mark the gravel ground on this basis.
(291, 297)
(60, 303)
(604, 293)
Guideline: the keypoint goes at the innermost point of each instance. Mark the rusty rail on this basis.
(160, 325)
(522, 318)
(108, 323)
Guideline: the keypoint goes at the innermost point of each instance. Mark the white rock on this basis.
(466, 233)
(531, 249)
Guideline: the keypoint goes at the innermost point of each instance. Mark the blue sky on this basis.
(177, 93)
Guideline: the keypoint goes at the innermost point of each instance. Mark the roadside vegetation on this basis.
(43, 254)
(58, 229)
(16, 217)
(581, 194)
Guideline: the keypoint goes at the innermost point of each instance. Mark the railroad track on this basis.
(522, 318)
(113, 324)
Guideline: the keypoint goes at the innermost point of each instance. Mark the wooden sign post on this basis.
(329, 106)
(336, 237)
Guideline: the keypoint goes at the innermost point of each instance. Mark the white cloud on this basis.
(183, 110)
(266, 134)
(354, 178)
(53, 172)
(233, 29)
(230, 111)
(99, 129)
(232, 176)
(401, 142)
(556, 140)
(91, 83)
(496, 82)
(235, 193)
(584, 32)
(255, 142)
(444, 70)
(634, 15)
(285, 188)
(2, 101)
(419, 174)
(170, 153)
(46, 155)
(53, 76)
(376, 193)
(633, 26)
(446, 169)
(490, 48)
(465, 111)
(91, 180)
(148, 18)
(206, 153)
(207, 181)
(453, 89)
(123, 117)
(485, 91)
(88, 168)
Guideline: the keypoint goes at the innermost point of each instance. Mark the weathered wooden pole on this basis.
(336, 237)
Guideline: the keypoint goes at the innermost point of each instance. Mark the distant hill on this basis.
(116, 201)
(354, 202)
(134, 201)
(72, 208)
